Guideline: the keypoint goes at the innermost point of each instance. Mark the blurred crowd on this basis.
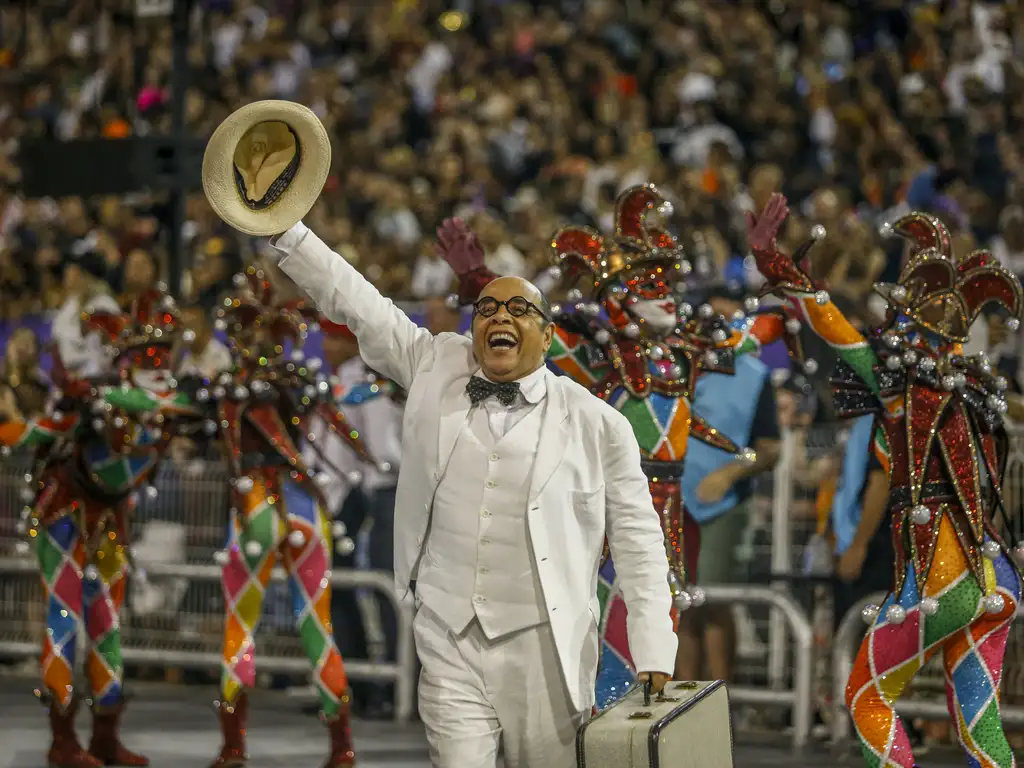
(523, 116)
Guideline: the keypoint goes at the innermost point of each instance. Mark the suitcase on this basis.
(686, 726)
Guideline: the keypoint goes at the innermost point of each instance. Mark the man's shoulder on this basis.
(580, 399)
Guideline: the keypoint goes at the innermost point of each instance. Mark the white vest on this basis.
(478, 560)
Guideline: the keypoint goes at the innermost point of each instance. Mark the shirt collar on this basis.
(532, 387)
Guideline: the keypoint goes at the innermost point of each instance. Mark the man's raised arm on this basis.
(388, 340)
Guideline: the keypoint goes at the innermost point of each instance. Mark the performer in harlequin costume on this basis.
(635, 347)
(940, 435)
(278, 514)
(97, 445)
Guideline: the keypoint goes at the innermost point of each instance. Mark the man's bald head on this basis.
(512, 329)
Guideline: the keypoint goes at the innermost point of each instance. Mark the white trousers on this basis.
(477, 693)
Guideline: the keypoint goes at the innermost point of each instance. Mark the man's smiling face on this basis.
(509, 345)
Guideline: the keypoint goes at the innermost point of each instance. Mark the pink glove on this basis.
(762, 230)
(458, 246)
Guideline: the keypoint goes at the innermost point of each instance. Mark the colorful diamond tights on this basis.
(281, 525)
(972, 643)
(81, 594)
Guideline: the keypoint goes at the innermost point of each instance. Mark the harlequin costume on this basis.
(279, 515)
(651, 380)
(939, 434)
(97, 445)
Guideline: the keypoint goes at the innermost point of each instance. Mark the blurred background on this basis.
(520, 117)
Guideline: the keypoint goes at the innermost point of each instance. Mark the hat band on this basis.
(277, 188)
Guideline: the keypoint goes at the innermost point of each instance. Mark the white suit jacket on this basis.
(587, 481)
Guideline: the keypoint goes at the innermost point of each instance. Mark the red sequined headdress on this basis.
(252, 310)
(151, 321)
(942, 293)
(636, 252)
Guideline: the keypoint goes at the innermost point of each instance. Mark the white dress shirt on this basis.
(501, 418)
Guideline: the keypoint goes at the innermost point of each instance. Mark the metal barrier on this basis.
(799, 697)
(191, 639)
(847, 641)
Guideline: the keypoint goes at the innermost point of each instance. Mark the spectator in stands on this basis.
(140, 275)
(84, 291)
(206, 356)
(23, 386)
(439, 317)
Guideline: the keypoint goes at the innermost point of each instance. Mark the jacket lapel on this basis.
(554, 435)
(454, 407)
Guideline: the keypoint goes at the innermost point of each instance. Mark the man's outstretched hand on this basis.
(762, 230)
(459, 246)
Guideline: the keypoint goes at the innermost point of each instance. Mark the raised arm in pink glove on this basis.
(460, 248)
(779, 269)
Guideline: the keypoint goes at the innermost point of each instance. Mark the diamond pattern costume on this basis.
(95, 448)
(260, 413)
(940, 436)
(650, 379)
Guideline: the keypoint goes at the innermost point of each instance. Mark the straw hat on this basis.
(265, 166)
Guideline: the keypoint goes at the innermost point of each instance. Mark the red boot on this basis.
(339, 727)
(105, 746)
(232, 726)
(66, 752)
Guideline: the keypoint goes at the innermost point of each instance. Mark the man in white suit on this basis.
(510, 481)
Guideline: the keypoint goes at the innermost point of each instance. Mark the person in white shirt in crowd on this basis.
(206, 356)
(512, 478)
(82, 354)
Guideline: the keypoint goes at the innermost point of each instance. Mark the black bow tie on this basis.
(480, 389)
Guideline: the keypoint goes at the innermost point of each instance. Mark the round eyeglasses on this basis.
(517, 306)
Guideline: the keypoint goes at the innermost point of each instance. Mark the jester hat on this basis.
(636, 255)
(144, 334)
(254, 320)
(942, 293)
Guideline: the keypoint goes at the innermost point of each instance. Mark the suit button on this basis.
(493, 457)
(485, 541)
(483, 570)
(485, 513)
(491, 483)
(478, 599)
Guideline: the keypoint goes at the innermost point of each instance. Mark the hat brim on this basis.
(303, 190)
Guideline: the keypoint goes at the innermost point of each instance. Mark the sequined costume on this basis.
(96, 446)
(940, 435)
(261, 411)
(650, 379)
